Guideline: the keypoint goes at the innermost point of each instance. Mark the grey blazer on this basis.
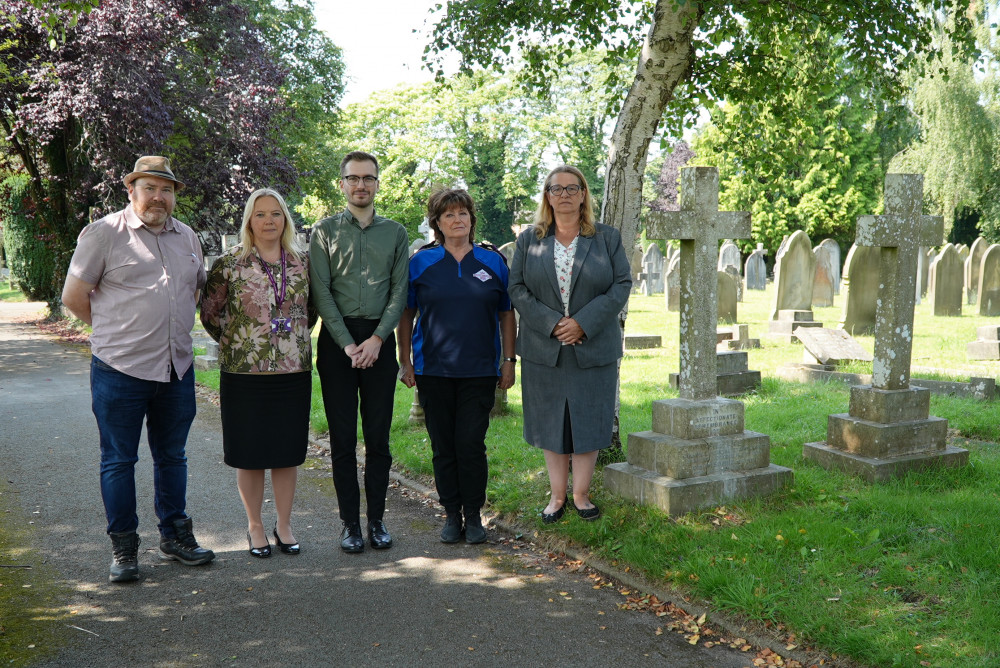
(599, 290)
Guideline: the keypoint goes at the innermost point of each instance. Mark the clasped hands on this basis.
(568, 331)
(364, 356)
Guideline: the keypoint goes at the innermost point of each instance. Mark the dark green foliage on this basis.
(28, 256)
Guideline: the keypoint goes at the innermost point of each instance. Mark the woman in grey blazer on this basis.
(569, 280)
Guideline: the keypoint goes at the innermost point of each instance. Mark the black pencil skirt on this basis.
(265, 418)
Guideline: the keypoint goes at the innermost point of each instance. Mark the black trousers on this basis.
(457, 415)
(343, 386)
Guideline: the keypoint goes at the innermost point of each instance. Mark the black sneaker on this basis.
(351, 539)
(183, 547)
(453, 529)
(125, 564)
(474, 531)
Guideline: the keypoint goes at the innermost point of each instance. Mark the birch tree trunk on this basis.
(664, 62)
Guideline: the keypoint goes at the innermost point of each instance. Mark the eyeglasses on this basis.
(353, 180)
(556, 191)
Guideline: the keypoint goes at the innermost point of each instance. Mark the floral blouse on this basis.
(564, 256)
(239, 309)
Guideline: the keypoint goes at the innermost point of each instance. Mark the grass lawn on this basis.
(893, 574)
(8, 294)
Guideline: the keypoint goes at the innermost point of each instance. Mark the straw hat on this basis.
(153, 165)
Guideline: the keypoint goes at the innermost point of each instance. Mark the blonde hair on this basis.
(288, 241)
(544, 216)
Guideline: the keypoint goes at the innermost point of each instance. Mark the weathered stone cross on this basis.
(699, 225)
(899, 233)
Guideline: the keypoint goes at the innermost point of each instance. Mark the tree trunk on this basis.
(664, 62)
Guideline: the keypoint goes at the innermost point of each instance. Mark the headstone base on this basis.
(733, 375)
(881, 470)
(679, 497)
(643, 341)
(788, 321)
(987, 344)
(736, 337)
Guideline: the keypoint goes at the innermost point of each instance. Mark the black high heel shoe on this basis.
(287, 548)
(259, 552)
(550, 518)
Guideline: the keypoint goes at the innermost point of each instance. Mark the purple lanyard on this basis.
(279, 324)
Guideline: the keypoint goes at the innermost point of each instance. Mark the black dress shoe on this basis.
(259, 552)
(287, 548)
(550, 518)
(588, 514)
(378, 535)
(351, 539)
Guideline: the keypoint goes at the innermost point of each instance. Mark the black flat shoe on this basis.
(588, 514)
(259, 552)
(287, 548)
(550, 518)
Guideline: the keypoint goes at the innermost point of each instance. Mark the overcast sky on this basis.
(380, 48)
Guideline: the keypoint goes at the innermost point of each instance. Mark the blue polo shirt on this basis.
(457, 334)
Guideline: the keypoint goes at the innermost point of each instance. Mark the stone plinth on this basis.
(830, 346)
(642, 341)
(987, 344)
(788, 320)
(210, 360)
(886, 434)
(736, 337)
(733, 373)
(698, 454)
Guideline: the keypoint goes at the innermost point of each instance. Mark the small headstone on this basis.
(727, 287)
(972, 267)
(830, 346)
(424, 228)
(755, 270)
(643, 341)
(989, 282)
(834, 249)
(888, 430)
(963, 252)
(860, 283)
(736, 337)
(824, 279)
(794, 271)
(673, 284)
(945, 283)
(652, 267)
(229, 241)
(925, 278)
(210, 360)
(417, 244)
(635, 266)
(735, 273)
(507, 250)
(729, 256)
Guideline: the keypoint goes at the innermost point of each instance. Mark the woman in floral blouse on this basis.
(256, 305)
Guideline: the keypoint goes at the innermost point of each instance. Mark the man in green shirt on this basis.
(359, 269)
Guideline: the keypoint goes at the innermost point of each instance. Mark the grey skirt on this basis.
(587, 396)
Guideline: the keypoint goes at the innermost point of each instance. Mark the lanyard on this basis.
(278, 324)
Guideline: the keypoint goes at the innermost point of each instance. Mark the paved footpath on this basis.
(420, 602)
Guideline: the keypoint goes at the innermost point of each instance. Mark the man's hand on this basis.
(365, 355)
(406, 374)
(76, 298)
(506, 380)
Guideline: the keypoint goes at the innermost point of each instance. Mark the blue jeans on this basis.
(121, 403)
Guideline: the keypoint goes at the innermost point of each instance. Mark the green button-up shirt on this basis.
(358, 272)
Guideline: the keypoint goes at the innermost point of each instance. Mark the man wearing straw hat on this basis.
(135, 278)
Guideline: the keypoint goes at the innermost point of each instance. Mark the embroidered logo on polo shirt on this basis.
(483, 275)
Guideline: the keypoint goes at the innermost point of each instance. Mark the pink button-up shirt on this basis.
(143, 305)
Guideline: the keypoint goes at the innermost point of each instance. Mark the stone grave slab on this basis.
(210, 360)
(987, 344)
(860, 285)
(972, 264)
(729, 256)
(755, 270)
(834, 249)
(672, 284)
(830, 346)
(727, 291)
(823, 281)
(794, 272)
(788, 322)
(989, 282)
(698, 436)
(888, 429)
(643, 341)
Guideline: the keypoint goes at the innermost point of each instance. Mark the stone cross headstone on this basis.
(944, 283)
(698, 452)
(989, 282)
(888, 430)
(834, 249)
(972, 266)
(652, 269)
(699, 226)
(860, 280)
(824, 279)
(635, 266)
(729, 256)
(755, 270)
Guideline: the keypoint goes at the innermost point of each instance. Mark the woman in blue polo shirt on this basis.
(462, 349)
